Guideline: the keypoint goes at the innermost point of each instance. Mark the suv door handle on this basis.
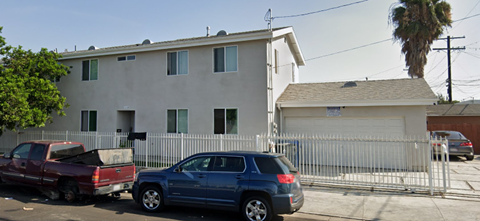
(239, 176)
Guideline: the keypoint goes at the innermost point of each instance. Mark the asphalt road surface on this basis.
(24, 203)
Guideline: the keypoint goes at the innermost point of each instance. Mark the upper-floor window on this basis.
(225, 59)
(90, 70)
(177, 121)
(177, 63)
(225, 121)
(126, 58)
(88, 120)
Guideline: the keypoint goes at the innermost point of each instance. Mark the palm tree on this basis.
(417, 24)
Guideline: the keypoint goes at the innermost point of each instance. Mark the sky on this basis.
(349, 43)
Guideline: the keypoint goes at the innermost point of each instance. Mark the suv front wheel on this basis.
(256, 208)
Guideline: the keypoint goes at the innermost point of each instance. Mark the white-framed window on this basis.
(177, 121)
(127, 58)
(225, 121)
(90, 70)
(177, 63)
(225, 59)
(88, 120)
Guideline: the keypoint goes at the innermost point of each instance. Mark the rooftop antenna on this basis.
(269, 19)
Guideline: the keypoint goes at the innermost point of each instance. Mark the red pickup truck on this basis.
(64, 167)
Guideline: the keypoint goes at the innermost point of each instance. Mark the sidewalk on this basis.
(462, 201)
(347, 204)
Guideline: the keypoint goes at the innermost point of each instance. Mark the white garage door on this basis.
(391, 126)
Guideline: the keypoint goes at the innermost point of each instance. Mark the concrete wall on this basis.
(415, 116)
(143, 86)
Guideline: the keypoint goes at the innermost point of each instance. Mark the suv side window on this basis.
(229, 164)
(196, 164)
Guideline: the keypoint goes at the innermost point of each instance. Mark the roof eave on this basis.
(357, 103)
(300, 60)
(170, 45)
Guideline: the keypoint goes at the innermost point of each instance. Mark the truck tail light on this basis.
(96, 175)
(285, 178)
(468, 144)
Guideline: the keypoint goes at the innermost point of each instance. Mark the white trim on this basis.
(355, 103)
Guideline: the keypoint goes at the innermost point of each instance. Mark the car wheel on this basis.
(151, 199)
(469, 157)
(256, 208)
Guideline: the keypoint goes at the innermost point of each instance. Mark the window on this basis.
(177, 63)
(177, 121)
(225, 121)
(65, 150)
(274, 165)
(21, 152)
(225, 59)
(37, 152)
(126, 58)
(90, 70)
(229, 164)
(196, 164)
(89, 121)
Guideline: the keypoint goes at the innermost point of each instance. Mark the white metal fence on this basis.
(398, 163)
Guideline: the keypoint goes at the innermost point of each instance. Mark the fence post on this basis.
(43, 132)
(146, 150)
(430, 175)
(257, 142)
(66, 135)
(221, 142)
(96, 139)
(181, 146)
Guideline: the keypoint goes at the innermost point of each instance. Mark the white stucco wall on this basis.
(415, 116)
(144, 87)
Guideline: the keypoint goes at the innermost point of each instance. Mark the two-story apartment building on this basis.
(219, 84)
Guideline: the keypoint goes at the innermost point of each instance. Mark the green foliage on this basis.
(28, 96)
(417, 24)
(443, 100)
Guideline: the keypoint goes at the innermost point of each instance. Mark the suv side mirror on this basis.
(177, 170)
(7, 155)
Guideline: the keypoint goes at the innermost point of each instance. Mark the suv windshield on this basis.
(275, 165)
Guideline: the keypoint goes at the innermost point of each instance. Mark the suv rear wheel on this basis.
(469, 157)
(256, 208)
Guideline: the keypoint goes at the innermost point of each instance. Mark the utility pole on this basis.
(449, 79)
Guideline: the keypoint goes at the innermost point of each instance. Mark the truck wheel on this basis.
(256, 208)
(70, 196)
(151, 199)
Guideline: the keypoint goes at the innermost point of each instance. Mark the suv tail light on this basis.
(469, 144)
(285, 178)
(96, 175)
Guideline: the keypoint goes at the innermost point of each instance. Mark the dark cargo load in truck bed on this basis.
(102, 157)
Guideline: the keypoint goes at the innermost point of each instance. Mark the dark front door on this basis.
(188, 185)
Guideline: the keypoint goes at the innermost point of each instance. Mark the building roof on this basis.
(454, 110)
(195, 41)
(365, 93)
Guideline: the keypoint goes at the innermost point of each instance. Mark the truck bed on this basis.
(102, 157)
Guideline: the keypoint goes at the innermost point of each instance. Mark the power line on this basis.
(324, 10)
(466, 18)
(468, 13)
(351, 49)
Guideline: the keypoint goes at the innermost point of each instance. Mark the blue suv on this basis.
(258, 185)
